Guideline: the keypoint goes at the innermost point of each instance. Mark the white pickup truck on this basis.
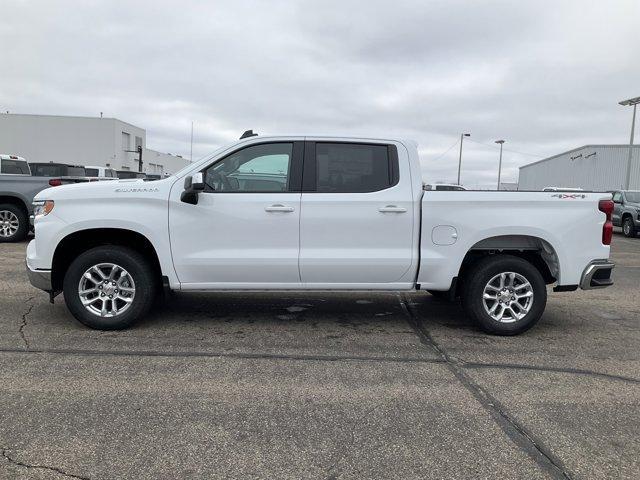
(314, 213)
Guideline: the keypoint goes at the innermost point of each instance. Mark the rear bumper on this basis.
(597, 275)
(40, 279)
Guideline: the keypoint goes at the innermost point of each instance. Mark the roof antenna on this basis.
(248, 133)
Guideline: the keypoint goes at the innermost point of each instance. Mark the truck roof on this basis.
(332, 137)
(4, 156)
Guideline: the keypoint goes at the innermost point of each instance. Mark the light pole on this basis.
(632, 101)
(462, 135)
(501, 142)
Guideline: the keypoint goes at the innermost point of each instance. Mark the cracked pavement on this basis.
(327, 386)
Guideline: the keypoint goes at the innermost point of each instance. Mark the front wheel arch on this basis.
(81, 241)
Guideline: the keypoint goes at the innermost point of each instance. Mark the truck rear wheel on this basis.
(109, 287)
(14, 223)
(504, 294)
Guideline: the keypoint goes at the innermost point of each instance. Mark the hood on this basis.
(90, 190)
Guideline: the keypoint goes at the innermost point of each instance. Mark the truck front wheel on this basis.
(628, 228)
(109, 287)
(504, 294)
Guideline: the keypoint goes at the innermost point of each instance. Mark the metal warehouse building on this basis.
(592, 167)
(97, 141)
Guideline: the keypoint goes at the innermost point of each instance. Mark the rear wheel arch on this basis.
(76, 243)
(537, 251)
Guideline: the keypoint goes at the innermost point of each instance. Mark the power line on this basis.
(446, 151)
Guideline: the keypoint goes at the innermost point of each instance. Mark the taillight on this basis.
(55, 182)
(606, 207)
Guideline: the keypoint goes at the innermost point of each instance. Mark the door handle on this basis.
(392, 209)
(278, 208)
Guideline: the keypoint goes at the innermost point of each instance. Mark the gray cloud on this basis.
(544, 75)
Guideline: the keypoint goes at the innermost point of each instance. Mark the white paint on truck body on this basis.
(377, 240)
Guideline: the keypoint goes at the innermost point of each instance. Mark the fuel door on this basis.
(444, 235)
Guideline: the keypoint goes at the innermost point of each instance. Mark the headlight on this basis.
(42, 208)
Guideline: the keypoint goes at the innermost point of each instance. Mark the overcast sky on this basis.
(544, 75)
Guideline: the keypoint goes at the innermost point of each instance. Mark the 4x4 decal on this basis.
(572, 196)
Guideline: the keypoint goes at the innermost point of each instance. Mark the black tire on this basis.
(23, 223)
(628, 228)
(477, 278)
(134, 263)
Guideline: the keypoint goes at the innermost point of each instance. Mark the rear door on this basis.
(357, 220)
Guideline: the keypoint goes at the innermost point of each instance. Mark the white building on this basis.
(592, 167)
(82, 141)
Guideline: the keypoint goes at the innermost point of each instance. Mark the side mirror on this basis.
(192, 186)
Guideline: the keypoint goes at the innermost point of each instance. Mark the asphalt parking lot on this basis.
(320, 386)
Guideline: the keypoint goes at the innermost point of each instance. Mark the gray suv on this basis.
(626, 211)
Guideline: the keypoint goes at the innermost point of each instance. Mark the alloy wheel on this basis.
(9, 223)
(106, 290)
(507, 297)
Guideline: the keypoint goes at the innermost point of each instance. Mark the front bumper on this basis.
(597, 275)
(40, 279)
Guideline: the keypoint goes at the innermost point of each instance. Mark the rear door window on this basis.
(354, 168)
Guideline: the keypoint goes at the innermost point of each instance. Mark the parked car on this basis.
(126, 174)
(447, 187)
(53, 169)
(626, 211)
(100, 173)
(315, 213)
(562, 189)
(17, 189)
(13, 165)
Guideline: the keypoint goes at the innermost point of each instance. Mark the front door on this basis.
(244, 231)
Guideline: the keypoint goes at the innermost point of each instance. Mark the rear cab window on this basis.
(13, 166)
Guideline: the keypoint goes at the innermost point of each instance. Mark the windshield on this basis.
(633, 197)
(127, 174)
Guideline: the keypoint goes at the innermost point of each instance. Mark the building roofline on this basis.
(70, 116)
(575, 150)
